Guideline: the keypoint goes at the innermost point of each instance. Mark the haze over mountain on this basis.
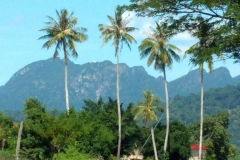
(44, 80)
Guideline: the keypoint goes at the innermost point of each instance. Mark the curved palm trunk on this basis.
(154, 145)
(118, 105)
(19, 140)
(167, 111)
(201, 116)
(66, 86)
(66, 77)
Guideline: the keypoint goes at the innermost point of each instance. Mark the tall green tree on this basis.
(37, 132)
(162, 54)
(5, 127)
(203, 52)
(118, 31)
(216, 136)
(148, 112)
(224, 14)
(63, 34)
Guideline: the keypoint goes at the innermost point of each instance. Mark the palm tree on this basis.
(19, 140)
(147, 111)
(62, 34)
(203, 52)
(119, 32)
(162, 54)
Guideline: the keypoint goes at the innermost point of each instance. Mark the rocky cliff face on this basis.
(190, 83)
(45, 80)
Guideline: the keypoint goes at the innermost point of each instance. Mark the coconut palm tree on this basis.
(118, 31)
(202, 52)
(19, 140)
(63, 34)
(160, 53)
(147, 112)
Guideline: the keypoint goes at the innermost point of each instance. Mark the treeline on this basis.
(92, 133)
(186, 109)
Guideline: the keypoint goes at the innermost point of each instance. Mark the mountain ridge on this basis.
(44, 80)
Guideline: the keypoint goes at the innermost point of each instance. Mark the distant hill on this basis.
(45, 80)
(190, 83)
(187, 108)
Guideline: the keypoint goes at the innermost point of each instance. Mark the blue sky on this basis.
(22, 20)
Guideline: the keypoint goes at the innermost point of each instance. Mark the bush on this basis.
(71, 153)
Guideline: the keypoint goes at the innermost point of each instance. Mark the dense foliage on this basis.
(119, 33)
(180, 16)
(92, 132)
(215, 135)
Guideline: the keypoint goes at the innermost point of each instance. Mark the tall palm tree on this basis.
(147, 112)
(202, 52)
(118, 31)
(62, 34)
(161, 54)
(19, 140)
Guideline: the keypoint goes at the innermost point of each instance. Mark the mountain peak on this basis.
(45, 80)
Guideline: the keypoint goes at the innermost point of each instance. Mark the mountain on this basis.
(190, 83)
(44, 80)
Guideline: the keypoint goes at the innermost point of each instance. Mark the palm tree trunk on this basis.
(66, 86)
(167, 111)
(19, 140)
(118, 105)
(66, 77)
(154, 145)
(201, 115)
(3, 143)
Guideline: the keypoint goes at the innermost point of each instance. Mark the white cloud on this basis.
(142, 23)
(182, 40)
(184, 37)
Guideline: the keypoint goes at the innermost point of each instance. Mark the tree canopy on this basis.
(92, 133)
(180, 16)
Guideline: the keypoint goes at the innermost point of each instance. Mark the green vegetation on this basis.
(161, 53)
(92, 133)
(201, 53)
(180, 16)
(119, 32)
(148, 113)
(215, 136)
(214, 23)
(61, 32)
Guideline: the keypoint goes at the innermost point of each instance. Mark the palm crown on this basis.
(159, 51)
(146, 108)
(118, 30)
(206, 50)
(63, 34)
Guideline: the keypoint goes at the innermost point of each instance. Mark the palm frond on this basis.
(117, 31)
(52, 22)
(62, 33)
(126, 20)
(151, 58)
(147, 111)
(112, 20)
(45, 37)
(174, 55)
(55, 55)
(173, 47)
(157, 49)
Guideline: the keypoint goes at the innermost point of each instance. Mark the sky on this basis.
(22, 20)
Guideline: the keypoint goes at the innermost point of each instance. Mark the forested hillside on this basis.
(44, 80)
(92, 133)
(186, 108)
